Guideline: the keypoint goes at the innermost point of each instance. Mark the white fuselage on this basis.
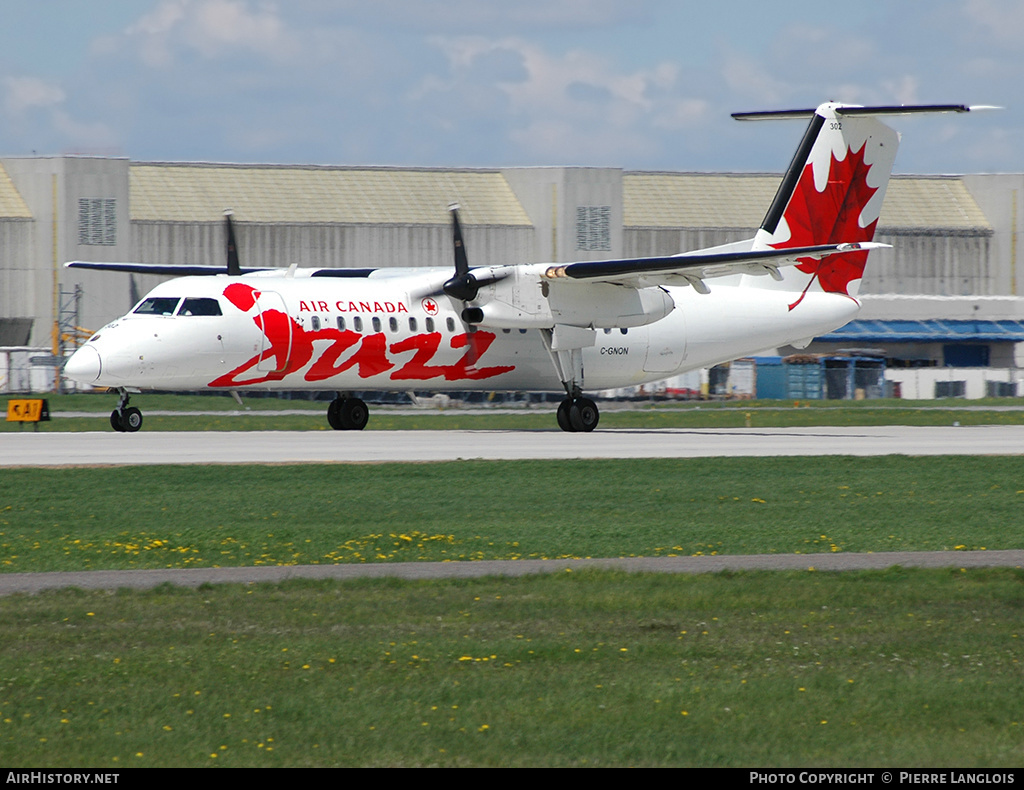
(344, 334)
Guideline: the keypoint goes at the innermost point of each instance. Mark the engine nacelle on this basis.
(511, 306)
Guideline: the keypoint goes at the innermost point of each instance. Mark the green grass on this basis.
(896, 668)
(202, 516)
(902, 667)
(728, 414)
(544, 419)
(103, 402)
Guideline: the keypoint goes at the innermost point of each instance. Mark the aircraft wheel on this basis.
(334, 415)
(354, 414)
(131, 419)
(563, 416)
(583, 415)
(115, 421)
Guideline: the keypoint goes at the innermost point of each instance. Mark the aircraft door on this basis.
(276, 343)
(666, 346)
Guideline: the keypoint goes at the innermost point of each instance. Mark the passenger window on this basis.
(199, 306)
(158, 305)
(341, 323)
(376, 324)
(430, 324)
(393, 324)
(624, 330)
(314, 322)
(451, 324)
(522, 331)
(412, 324)
(505, 331)
(608, 330)
(357, 324)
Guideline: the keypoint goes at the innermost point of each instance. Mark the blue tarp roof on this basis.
(930, 331)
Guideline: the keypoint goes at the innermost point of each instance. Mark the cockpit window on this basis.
(200, 306)
(158, 305)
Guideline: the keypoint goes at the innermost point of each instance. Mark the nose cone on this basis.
(84, 365)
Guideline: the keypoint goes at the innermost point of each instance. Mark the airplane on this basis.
(527, 327)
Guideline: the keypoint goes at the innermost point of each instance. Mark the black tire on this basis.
(131, 419)
(354, 414)
(334, 415)
(115, 421)
(583, 415)
(563, 416)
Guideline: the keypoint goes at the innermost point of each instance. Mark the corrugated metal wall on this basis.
(23, 287)
(349, 246)
(936, 263)
(932, 263)
(642, 242)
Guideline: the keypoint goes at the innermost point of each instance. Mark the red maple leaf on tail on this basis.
(831, 216)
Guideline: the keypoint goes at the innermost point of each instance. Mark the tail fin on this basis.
(833, 190)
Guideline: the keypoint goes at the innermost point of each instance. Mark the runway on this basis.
(276, 447)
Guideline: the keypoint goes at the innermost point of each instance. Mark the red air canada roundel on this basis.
(430, 306)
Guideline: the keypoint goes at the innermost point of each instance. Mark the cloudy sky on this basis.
(638, 84)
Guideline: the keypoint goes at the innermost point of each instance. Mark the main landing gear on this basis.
(578, 414)
(125, 419)
(347, 414)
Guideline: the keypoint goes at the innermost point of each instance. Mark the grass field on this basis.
(258, 414)
(895, 668)
(199, 516)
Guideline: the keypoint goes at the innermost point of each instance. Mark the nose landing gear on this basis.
(125, 418)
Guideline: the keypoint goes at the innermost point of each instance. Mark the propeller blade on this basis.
(433, 288)
(465, 285)
(234, 270)
(461, 260)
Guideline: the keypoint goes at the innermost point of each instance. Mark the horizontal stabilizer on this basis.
(884, 109)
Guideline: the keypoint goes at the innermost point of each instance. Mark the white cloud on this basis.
(1003, 20)
(460, 16)
(24, 93)
(213, 28)
(751, 79)
(36, 113)
(476, 82)
(86, 136)
(682, 114)
(561, 83)
(905, 89)
(565, 106)
(235, 24)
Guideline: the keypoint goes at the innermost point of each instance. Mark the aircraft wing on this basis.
(186, 270)
(694, 268)
(190, 270)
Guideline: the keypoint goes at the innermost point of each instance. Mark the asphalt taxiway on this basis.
(110, 448)
(194, 577)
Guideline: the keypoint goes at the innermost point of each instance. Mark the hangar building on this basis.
(946, 295)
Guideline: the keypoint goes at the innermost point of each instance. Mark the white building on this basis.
(946, 295)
